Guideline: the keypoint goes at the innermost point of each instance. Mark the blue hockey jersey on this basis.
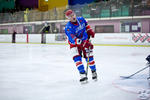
(77, 30)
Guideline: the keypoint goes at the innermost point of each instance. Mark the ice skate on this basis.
(83, 78)
(94, 75)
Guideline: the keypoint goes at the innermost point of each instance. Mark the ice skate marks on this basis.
(134, 84)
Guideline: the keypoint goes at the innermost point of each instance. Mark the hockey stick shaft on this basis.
(87, 64)
(135, 73)
(88, 55)
(88, 58)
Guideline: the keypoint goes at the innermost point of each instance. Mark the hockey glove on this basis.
(90, 32)
(87, 44)
(87, 48)
(148, 58)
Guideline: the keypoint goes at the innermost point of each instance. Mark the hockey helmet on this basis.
(69, 12)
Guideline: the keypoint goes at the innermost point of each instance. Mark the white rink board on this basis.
(21, 38)
(118, 38)
(51, 38)
(34, 38)
(6, 38)
(100, 38)
(112, 39)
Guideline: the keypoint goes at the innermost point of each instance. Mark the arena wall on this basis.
(109, 38)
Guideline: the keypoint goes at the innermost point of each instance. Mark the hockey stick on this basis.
(126, 77)
(87, 63)
(88, 60)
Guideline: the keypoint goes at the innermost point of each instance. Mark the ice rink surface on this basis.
(47, 72)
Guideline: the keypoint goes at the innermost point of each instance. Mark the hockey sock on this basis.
(79, 64)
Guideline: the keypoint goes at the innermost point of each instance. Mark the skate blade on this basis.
(95, 80)
(84, 82)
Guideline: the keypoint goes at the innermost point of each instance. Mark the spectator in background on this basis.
(14, 37)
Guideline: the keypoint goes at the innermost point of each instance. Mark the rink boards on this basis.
(141, 39)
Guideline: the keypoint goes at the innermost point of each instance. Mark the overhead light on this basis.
(46, 0)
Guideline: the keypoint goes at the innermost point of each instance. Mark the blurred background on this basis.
(105, 16)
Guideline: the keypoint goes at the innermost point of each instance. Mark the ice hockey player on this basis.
(148, 59)
(79, 32)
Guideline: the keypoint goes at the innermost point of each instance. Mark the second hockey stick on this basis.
(126, 77)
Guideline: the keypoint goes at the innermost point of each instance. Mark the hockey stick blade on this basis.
(127, 77)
